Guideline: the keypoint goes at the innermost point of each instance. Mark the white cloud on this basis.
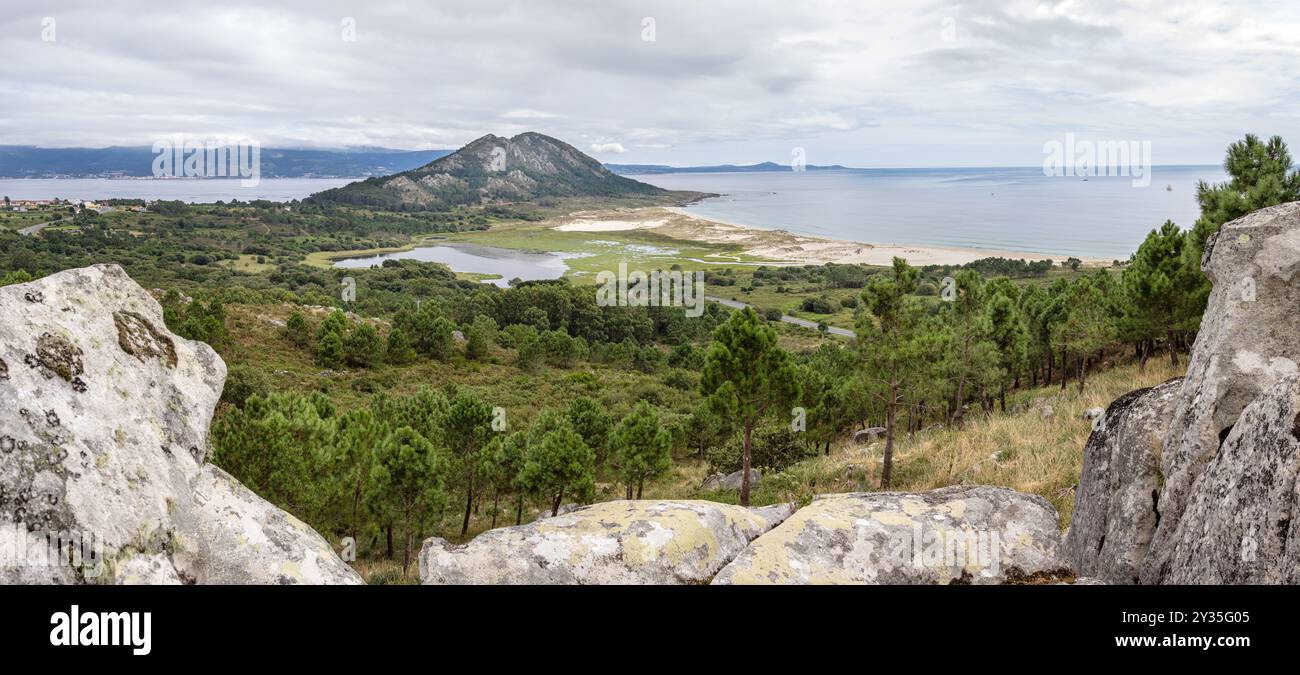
(605, 148)
(727, 80)
(525, 114)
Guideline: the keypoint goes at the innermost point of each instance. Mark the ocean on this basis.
(201, 190)
(1009, 209)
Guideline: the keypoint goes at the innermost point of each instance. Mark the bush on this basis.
(681, 379)
(820, 305)
(775, 448)
(243, 383)
(362, 347)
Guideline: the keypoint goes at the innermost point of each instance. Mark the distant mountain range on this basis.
(25, 161)
(496, 170)
(634, 169)
(28, 161)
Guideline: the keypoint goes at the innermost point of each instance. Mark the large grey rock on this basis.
(958, 534)
(868, 435)
(104, 418)
(1238, 525)
(564, 508)
(1115, 504)
(731, 481)
(1248, 341)
(618, 542)
(236, 537)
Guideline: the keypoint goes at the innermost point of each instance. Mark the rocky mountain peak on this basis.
(495, 169)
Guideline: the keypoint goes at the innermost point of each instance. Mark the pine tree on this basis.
(362, 347)
(643, 447)
(399, 350)
(591, 421)
(1156, 285)
(559, 463)
(1010, 337)
(467, 427)
(886, 340)
(479, 337)
(745, 362)
(406, 481)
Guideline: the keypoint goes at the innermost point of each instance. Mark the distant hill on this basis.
(25, 161)
(495, 170)
(634, 169)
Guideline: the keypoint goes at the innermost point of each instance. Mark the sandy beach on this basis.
(782, 246)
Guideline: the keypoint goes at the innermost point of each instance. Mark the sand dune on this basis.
(782, 246)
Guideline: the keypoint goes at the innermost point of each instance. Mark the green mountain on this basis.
(496, 170)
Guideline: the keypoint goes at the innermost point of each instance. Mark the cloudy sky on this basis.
(860, 83)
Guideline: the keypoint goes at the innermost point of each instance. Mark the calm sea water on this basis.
(187, 190)
(1013, 209)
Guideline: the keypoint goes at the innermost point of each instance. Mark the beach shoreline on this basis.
(782, 246)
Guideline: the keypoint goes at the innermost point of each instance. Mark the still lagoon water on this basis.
(507, 263)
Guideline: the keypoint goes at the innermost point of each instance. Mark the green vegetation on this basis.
(432, 404)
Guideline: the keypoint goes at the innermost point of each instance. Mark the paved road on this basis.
(736, 304)
(34, 229)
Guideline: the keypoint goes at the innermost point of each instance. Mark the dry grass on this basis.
(1024, 450)
(387, 572)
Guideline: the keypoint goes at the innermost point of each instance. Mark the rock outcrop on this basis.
(1116, 503)
(564, 508)
(959, 534)
(1247, 342)
(104, 416)
(619, 542)
(868, 436)
(1213, 501)
(1237, 524)
(731, 481)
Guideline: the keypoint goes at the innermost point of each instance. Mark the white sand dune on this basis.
(785, 247)
(610, 225)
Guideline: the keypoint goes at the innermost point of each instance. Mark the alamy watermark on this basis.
(928, 547)
(180, 157)
(46, 550)
(1085, 159)
(651, 289)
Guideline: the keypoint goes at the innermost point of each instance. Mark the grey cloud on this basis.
(835, 77)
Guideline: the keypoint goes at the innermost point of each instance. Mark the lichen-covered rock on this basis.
(619, 542)
(1246, 344)
(104, 418)
(147, 570)
(959, 534)
(240, 538)
(564, 508)
(731, 481)
(1239, 523)
(1116, 502)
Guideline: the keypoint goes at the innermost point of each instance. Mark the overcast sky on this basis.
(860, 83)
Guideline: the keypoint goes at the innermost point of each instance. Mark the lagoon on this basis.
(506, 263)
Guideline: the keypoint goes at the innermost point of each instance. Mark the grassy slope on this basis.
(1020, 450)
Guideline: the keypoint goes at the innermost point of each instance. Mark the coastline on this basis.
(782, 246)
